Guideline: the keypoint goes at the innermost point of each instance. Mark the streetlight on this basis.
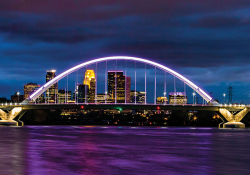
(106, 97)
(76, 96)
(193, 97)
(18, 93)
(164, 98)
(224, 97)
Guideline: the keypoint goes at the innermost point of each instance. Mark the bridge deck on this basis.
(123, 106)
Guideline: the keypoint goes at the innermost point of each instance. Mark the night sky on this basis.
(206, 41)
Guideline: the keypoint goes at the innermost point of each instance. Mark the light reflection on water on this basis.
(123, 150)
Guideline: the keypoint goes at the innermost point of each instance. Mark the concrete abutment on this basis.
(230, 120)
(7, 117)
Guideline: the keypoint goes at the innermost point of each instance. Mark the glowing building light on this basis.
(89, 75)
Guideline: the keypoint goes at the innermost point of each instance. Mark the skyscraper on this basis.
(111, 80)
(52, 92)
(117, 84)
(90, 80)
(89, 75)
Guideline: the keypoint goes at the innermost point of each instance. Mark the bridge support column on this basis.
(8, 117)
(230, 120)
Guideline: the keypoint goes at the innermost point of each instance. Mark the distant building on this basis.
(63, 97)
(162, 100)
(139, 96)
(118, 86)
(90, 81)
(17, 98)
(52, 92)
(128, 89)
(30, 88)
(82, 93)
(177, 98)
(89, 75)
(101, 98)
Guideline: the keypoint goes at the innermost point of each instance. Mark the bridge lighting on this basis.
(193, 97)
(69, 71)
(158, 107)
(82, 107)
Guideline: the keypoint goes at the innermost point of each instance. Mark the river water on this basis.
(99, 150)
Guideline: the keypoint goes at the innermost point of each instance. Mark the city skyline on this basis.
(89, 79)
(116, 83)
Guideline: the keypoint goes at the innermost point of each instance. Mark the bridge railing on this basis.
(10, 104)
(222, 105)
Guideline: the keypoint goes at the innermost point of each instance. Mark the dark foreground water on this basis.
(123, 150)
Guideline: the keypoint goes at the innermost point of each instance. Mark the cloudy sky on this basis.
(206, 41)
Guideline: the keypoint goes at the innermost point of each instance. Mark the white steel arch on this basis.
(46, 86)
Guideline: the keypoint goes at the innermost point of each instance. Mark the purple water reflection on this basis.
(123, 150)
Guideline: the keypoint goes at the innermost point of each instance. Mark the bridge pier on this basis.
(230, 120)
(7, 116)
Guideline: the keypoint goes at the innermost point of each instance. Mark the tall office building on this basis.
(117, 86)
(89, 76)
(90, 81)
(111, 80)
(52, 92)
(30, 88)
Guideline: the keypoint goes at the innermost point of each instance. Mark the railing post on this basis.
(126, 82)
(174, 92)
(165, 86)
(135, 82)
(115, 81)
(96, 85)
(155, 88)
(106, 84)
(67, 88)
(145, 85)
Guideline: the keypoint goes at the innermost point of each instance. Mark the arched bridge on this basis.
(9, 112)
(46, 86)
